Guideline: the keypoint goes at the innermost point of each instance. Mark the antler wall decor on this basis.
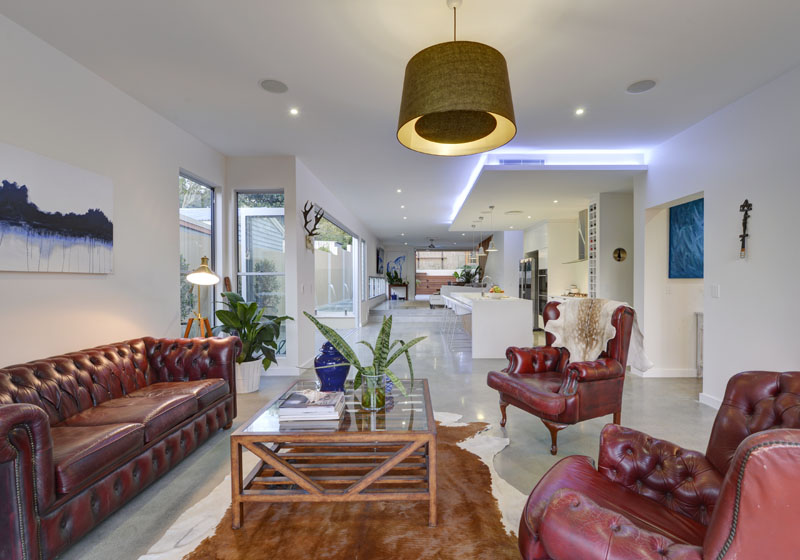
(312, 231)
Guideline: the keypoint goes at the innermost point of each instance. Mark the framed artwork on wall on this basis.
(54, 217)
(380, 260)
(686, 240)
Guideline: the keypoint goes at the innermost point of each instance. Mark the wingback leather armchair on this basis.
(542, 380)
(651, 499)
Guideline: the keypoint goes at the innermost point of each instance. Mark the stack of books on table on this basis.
(311, 410)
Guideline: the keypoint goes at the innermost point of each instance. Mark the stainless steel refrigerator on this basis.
(533, 285)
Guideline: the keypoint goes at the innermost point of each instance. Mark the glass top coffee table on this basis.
(371, 456)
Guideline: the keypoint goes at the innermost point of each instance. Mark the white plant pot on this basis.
(248, 375)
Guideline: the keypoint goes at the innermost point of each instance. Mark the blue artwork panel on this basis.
(53, 217)
(686, 240)
(395, 264)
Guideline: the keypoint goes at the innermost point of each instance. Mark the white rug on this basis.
(200, 520)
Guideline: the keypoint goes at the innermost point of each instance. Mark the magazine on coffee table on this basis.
(310, 404)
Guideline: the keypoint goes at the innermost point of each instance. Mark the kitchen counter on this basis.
(496, 323)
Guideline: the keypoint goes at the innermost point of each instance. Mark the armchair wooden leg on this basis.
(616, 416)
(554, 428)
(503, 406)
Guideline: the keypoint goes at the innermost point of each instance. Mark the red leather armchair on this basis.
(649, 498)
(542, 381)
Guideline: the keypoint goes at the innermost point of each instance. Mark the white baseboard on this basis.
(666, 372)
(707, 399)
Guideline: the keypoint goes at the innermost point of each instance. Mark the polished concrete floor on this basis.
(665, 408)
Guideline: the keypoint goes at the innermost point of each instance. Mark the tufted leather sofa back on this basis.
(65, 385)
(754, 401)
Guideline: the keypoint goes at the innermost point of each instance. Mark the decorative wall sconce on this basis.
(312, 231)
(745, 207)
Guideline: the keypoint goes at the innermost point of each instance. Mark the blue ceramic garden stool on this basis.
(331, 378)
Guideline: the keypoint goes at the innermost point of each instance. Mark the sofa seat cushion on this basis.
(578, 473)
(81, 452)
(536, 390)
(206, 391)
(158, 414)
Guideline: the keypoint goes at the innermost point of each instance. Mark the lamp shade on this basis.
(202, 275)
(491, 248)
(481, 252)
(456, 100)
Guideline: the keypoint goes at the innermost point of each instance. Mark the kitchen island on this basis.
(496, 324)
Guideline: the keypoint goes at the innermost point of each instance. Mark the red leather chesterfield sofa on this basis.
(543, 382)
(651, 499)
(83, 433)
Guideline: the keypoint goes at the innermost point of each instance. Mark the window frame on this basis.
(213, 253)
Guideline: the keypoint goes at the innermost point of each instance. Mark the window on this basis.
(196, 223)
(441, 262)
(334, 270)
(261, 263)
(377, 286)
(363, 270)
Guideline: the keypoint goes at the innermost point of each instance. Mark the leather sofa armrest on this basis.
(604, 368)
(574, 526)
(538, 359)
(27, 473)
(682, 479)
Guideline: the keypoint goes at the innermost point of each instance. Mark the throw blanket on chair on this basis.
(584, 328)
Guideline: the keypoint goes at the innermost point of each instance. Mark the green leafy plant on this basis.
(469, 275)
(456, 275)
(382, 354)
(257, 331)
(394, 277)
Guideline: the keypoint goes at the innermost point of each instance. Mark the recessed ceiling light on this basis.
(555, 202)
(529, 217)
(463, 234)
(454, 242)
(402, 206)
(274, 86)
(510, 227)
(402, 235)
(579, 111)
(405, 217)
(294, 111)
(399, 190)
(406, 243)
(641, 86)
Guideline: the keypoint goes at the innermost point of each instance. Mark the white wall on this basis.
(615, 230)
(299, 185)
(670, 305)
(749, 150)
(557, 243)
(53, 106)
(410, 269)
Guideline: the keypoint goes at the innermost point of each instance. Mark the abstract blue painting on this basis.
(380, 260)
(686, 240)
(54, 217)
(395, 264)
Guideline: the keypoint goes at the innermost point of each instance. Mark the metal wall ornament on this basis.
(745, 207)
(456, 99)
(319, 213)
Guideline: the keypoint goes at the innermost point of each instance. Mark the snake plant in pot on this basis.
(372, 378)
(259, 335)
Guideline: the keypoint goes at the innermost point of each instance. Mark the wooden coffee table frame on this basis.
(397, 465)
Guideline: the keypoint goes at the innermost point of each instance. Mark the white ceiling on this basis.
(532, 193)
(199, 64)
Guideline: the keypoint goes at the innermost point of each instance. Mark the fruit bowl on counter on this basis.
(495, 293)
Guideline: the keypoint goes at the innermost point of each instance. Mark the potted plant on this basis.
(394, 278)
(258, 333)
(372, 378)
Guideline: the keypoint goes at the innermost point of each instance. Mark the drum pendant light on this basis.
(456, 99)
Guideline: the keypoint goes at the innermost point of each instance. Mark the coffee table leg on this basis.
(432, 482)
(236, 484)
